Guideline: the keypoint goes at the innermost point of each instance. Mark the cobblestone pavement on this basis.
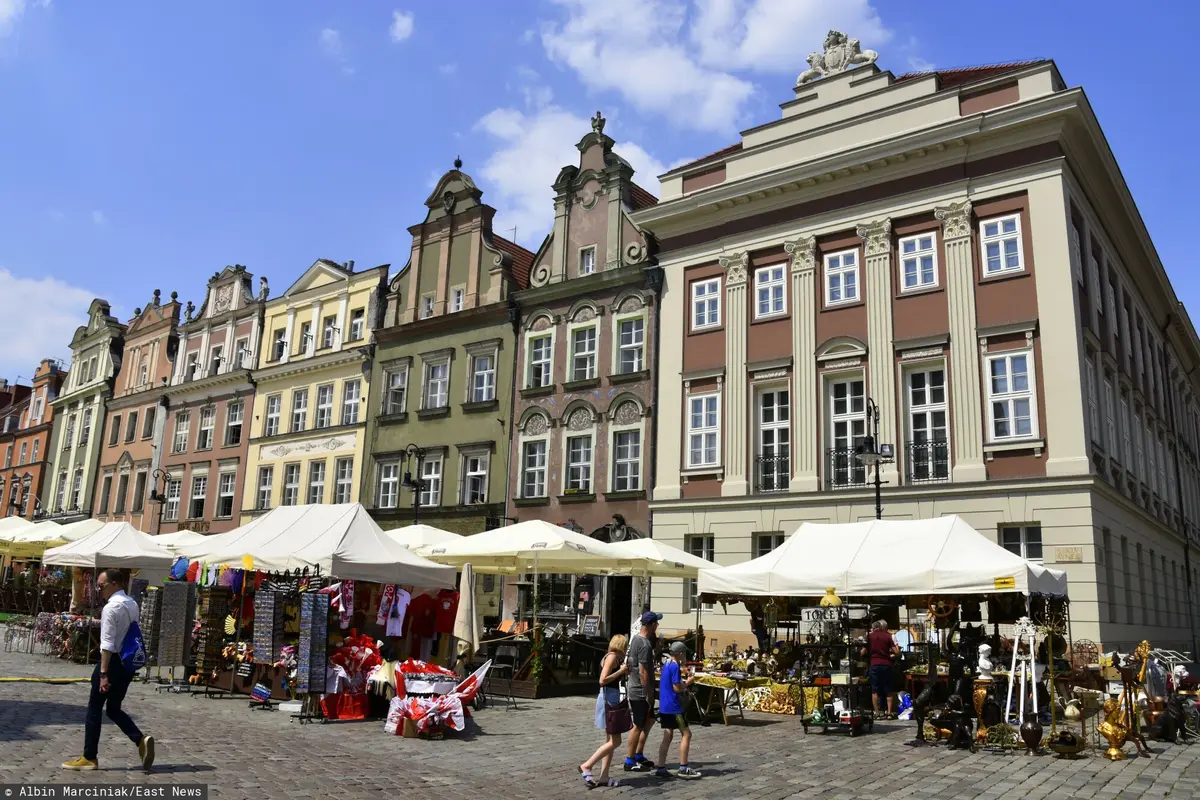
(532, 752)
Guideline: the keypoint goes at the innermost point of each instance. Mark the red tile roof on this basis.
(522, 260)
(641, 198)
(957, 76)
(724, 151)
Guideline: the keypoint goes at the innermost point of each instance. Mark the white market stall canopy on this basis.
(42, 533)
(116, 544)
(174, 541)
(74, 531)
(885, 557)
(662, 560)
(11, 526)
(533, 546)
(414, 537)
(341, 539)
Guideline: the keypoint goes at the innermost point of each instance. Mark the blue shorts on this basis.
(880, 677)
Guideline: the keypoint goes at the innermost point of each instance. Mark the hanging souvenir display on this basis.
(212, 609)
(268, 626)
(178, 601)
(150, 617)
(314, 636)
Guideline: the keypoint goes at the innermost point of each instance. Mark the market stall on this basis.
(416, 537)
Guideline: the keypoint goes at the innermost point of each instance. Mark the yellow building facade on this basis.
(310, 406)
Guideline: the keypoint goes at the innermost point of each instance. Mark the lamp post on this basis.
(12, 498)
(159, 497)
(416, 484)
(871, 452)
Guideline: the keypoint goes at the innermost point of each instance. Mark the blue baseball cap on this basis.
(649, 618)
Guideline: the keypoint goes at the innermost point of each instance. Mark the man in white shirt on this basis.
(111, 679)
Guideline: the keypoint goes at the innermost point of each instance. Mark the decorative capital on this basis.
(803, 252)
(737, 268)
(877, 236)
(955, 219)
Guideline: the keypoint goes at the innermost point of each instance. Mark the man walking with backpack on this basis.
(111, 679)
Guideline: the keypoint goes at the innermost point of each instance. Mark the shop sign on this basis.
(1005, 583)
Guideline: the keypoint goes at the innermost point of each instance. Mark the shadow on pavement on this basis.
(167, 769)
(21, 717)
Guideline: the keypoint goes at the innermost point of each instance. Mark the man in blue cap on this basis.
(639, 688)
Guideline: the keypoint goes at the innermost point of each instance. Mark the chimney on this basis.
(350, 266)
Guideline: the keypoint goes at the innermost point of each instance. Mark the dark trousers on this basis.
(118, 683)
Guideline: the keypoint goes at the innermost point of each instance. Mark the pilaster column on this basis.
(965, 393)
(805, 412)
(737, 268)
(343, 319)
(877, 273)
(290, 338)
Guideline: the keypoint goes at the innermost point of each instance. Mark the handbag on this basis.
(617, 718)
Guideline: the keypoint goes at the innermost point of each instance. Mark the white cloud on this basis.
(11, 12)
(402, 26)
(98, 218)
(678, 58)
(533, 146)
(332, 46)
(41, 315)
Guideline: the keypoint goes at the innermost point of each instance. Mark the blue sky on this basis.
(146, 144)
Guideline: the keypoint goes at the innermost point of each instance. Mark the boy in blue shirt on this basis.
(672, 692)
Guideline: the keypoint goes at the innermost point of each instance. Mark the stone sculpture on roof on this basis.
(841, 53)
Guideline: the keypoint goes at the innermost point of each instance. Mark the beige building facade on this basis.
(959, 250)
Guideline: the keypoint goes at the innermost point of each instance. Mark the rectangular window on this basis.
(540, 362)
(358, 318)
(343, 480)
(351, 396)
(122, 494)
(69, 438)
(279, 345)
(180, 443)
(299, 410)
(632, 335)
(208, 422)
(33, 459)
(215, 358)
(139, 493)
(325, 406)
(587, 260)
(928, 420)
(328, 331)
(579, 465)
(316, 482)
(583, 354)
(847, 427)
(241, 354)
(148, 423)
(397, 389)
(174, 493)
(456, 299)
(306, 337)
(483, 379)
(841, 277)
(234, 414)
(701, 546)
(1110, 420)
(1023, 540)
(114, 435)
(193, 367)
(431, 477)
(60, 495)
(1139, 452)
(85, 432)
(427, 306)
(773, 456)
(475, 479)
(918, 262)
(766, 542)
(274, 411)
(225, 484)
(1126, 443)
(105, 494)
(706, 304)
(388, 492)
(1010, 396)
(437, 384)
(131, 427)
(703, 430)
(266, 481)
(627, 461)
(533, 470)
(1109, 579)
(1000, 239)
(770, 291)
(1089, 372)
(291, 484)
(199, 493)
(21, 459)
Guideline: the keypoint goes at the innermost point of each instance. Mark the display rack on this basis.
(177, 602)
(311, 655)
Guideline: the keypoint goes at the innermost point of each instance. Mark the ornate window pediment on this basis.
(841, 347)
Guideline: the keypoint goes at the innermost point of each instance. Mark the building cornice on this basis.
(599, 283)
(444, 324)
(225, 382)
(314, 364)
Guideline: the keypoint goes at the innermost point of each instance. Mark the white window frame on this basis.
(1093, 396)
(241, 353)
(835, 266)
(429, 382)
(1110, 419)
(226, 485)
(482, 387)
(432, 474)
(85, 429)
(705, 296)
(21, 458)
(584, 480)
(291, 484)
(770, 284)
(395, 381)
(279, 346)
(916, 257)
(387, 484)
(60, 495)
(199, 492)
(272, 414)
(324, 406)
(299, 410)
(343, 480)
(427, 305)
(1001, 238)
(633, 466)
(780, 433)
(547, 362)
(475, 465)
(264, 487)
(179, 442)
(701, 545)
(765, 543)
(591, 357)
(1139, 451)
(173, 492)
(636, 346)
(315, 487)
(206, 431)
(351, 399)
(1010, 397)
(1023, 543)
(308, 341)
(216, 355)
(358, 319)
(587, 266)
(539, 472)
(704, 430)
(235, 414)
(855, 421)
(329, 331)
(457, 297)
(928, 409)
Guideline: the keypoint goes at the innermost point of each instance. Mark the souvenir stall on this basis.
(941, 567)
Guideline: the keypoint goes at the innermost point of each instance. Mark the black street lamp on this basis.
(159, 497)
(418, 483)
(871, 452)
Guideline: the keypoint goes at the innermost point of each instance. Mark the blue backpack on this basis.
(133, 648)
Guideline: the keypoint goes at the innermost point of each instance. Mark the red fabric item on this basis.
(345, 706)
(879, 645)
(193, 571)
(447, 609)
(421, 616)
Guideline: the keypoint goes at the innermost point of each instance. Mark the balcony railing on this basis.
(772, 473)
(842, 469)
(927, 462)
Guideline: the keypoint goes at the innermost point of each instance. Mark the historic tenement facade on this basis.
(958, 249)
(443, 372)
(25, 440)
(312, 383)
(78, 412)
(211, 394)
(131, 449)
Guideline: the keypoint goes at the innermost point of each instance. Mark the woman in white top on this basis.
(612, 713)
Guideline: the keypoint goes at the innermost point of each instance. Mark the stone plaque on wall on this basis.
(1068, 555)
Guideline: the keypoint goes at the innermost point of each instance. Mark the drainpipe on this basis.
(1187, 548)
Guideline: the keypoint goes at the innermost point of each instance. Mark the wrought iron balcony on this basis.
(927, 462)
(772, 473)
(842, 469)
